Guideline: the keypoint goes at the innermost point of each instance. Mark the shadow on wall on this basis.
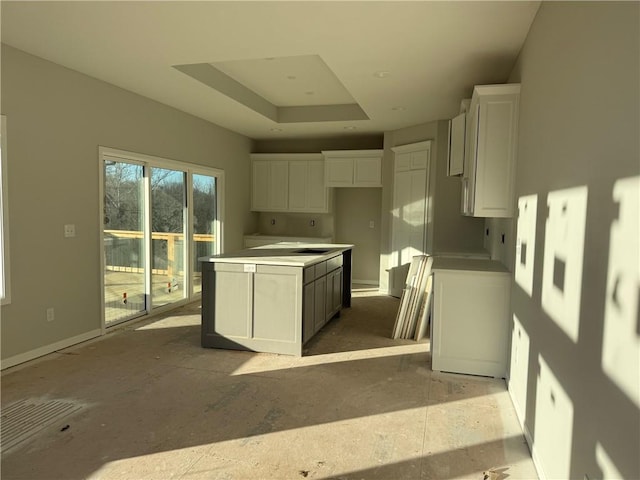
(578, 391)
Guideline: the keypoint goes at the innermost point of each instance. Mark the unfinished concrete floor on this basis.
(147, 402)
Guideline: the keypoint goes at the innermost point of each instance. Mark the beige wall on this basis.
(359, 207)
(56, 120)
(579, 123)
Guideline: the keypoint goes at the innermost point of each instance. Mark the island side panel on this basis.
(277, 309)
(226, 305)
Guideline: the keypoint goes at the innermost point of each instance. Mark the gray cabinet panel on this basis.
(271, 308)
(233, 318)
(308, 311)
(277, 304)
(320, 310)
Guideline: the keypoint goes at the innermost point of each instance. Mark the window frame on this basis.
(5, 273)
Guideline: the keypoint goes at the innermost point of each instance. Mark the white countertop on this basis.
(284, 253)
(469, 264)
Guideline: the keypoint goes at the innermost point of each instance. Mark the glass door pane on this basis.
(205, 207)
(124, 272)
(168, 206)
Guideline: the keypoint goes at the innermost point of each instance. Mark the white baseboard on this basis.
(47, 349)
(527, 435)
(364, 282)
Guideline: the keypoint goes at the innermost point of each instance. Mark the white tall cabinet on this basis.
(411, 209)
(488, 176)
(410, 201)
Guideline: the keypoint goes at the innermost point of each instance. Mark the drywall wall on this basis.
(451, 232)
(56, 119)
(359, 219)
(296, 224)
(575, 354)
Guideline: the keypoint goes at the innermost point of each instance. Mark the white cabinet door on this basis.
(367, 172)
(260, 186)
(278, 185)
(270, 185)
(298, 186)
(317, 192)
(456, 148)
(410, 202)
(339, 172)
(470, 322)
(495, 158)
(409, 215)
(491, 143)
(307, 191)
(353, 168)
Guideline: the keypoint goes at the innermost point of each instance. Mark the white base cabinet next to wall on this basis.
(470, 321)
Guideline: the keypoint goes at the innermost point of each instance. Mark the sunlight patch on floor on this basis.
(272, 362)
(286, 453)
(173, 322)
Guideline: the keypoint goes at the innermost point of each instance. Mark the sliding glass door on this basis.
(150, 208)
(205, 223)
(168, 215)
(124, 247)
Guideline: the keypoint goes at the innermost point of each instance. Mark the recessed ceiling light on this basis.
(399, 108)
(381, 74)
(350, 127)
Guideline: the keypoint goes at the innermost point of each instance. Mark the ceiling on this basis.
(279, 69)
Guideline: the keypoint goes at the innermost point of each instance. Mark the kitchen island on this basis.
(273, 298)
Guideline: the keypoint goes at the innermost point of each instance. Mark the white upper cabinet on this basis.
(270, 184)
(490, 151)
(353, 168)
(456, 145)
(307, 191)
(288, 182)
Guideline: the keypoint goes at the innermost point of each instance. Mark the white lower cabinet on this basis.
(470, 316)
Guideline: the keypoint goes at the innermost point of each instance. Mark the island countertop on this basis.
(292, 254)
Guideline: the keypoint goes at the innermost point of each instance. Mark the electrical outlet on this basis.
(372, 224)
(69, 230)
(51, 316)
